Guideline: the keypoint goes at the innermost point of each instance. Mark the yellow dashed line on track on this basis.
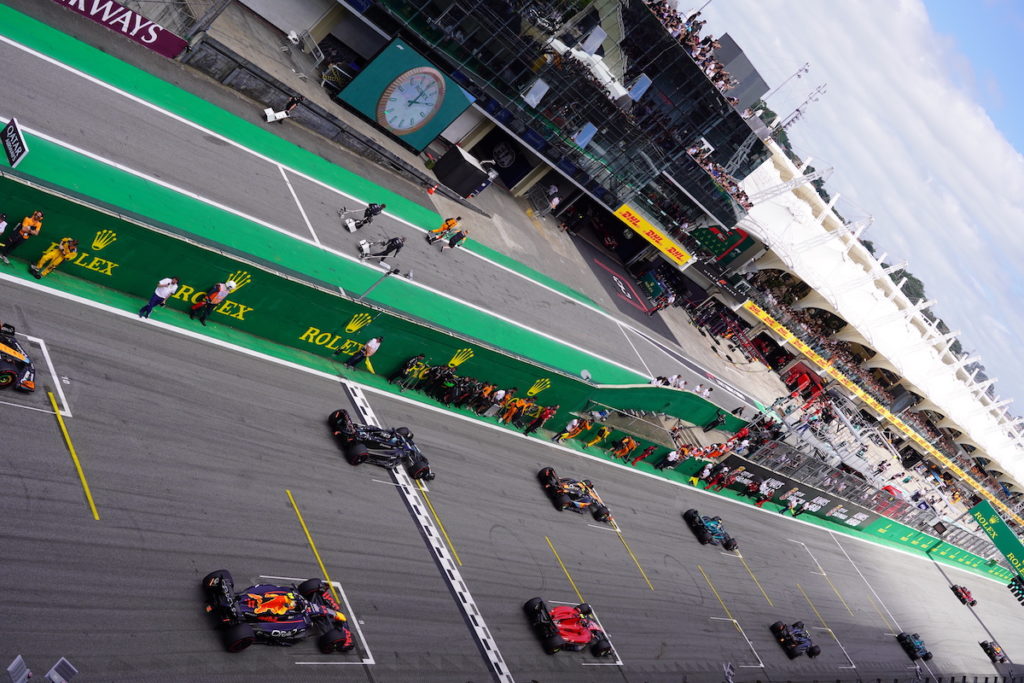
(720, 601)
(888, 624)
(759, 586)
(562, 565)
(444, 532)
(74, 456)
(629, 550)
(312, 546)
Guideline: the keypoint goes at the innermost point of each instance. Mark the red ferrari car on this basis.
(566, 628)
(963, 595)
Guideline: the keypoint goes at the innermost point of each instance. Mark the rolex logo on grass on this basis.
(539, 386)
(241, 278)
(460, 357)
(358, 322)
(103, 239)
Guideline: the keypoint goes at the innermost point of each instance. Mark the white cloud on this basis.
(911, 145)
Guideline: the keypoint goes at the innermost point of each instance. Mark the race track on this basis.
(190, 450)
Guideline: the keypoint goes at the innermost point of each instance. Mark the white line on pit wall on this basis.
(451, 573)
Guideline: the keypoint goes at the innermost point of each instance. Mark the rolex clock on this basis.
(411, 100)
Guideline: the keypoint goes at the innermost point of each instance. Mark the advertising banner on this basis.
(1002, 536)
(129, 24)
(819, 503)
(870, 400)
(643, 227)
(15, 146)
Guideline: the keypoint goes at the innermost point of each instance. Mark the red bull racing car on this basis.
(388, 448)
(570, 494)
(709, 530)
(16, 369)
(963, 595)
(794, 639)
(276, 615)
(566, 628)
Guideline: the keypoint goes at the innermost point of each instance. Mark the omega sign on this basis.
(132, 25)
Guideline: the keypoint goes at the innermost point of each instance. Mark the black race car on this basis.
(385, 447)
(963, 595)
(709, 530)
(794, 639)
(16, 369)
(913, 646)
(566, 628)
(570, 494)
(276, 615)
(994, 652)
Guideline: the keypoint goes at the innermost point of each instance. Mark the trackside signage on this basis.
(1002, 536)
(130, 24)
(15, 146)
(643, 227)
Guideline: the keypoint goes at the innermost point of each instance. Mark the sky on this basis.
(923, 122)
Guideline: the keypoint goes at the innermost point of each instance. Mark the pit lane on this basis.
(190, 449)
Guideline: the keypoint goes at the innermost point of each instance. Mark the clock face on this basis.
(411, 100)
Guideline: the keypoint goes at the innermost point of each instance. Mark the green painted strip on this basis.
(66, 49)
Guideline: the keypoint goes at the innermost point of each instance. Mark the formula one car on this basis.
(569, 494)
(16, 369)
(566, 628)
(914, 646)
(709, 530)
(276, 615)
(994, 652)
(963, 595)
(794, 639)
(388, 448)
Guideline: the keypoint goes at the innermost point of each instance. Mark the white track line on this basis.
(348, 613)
(450, 573)
(199, 336)
(66, 409)
(317, 181)
(865, 580)
(305, 218)
(632, 346)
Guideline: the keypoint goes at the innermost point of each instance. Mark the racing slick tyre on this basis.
(813, 651)
(7, 378)
(533, 606)
(791, 653)
(237, 637)
(730, 544)
(690, 515)
(335, 640)
(601, 513)
(926, 657)
(356, 453)
(224, 575)
(704, 536)
(547, 477)
(340, 421)
(777, 628)
(404, 431)
(310, 587)
(417, 465)
(972, 603)
(561, 502)
(602, 648)
(585, 609)
(553, 644)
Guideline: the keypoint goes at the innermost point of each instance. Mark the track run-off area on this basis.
(201, 456)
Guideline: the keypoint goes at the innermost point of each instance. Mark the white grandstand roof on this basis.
(825, 254)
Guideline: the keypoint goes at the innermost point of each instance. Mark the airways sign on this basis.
(132, 25)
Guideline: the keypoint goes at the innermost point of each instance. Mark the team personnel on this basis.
(66, 249)
(211, 299)
(29, 227)
(164, 290)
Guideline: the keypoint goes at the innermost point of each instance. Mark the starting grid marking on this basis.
(65, 408)
(618, 660)
(450, 570)
(368, 659)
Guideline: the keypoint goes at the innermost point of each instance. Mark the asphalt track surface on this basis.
(190, 448)
(75, 111)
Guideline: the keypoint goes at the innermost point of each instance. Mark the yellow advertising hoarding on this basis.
(899, 424)
(643, 227)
